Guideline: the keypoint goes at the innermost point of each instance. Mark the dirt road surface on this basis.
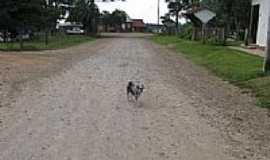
(80, 112)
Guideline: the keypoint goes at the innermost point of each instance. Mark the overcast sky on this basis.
(137, 9)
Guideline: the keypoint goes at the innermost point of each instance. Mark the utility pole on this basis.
(266, 66)
(158, 11)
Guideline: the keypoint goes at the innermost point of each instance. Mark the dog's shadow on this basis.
(137, 104)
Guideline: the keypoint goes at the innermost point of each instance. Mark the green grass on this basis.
(55, 42)
(239, 68)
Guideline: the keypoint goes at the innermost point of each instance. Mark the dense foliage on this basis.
(19, 17)
(115, 19)
(86, 12)
(234, 15)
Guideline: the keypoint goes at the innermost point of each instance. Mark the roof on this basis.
(138, 23)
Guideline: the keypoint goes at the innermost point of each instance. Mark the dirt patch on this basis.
(16, 68)
(22, 60)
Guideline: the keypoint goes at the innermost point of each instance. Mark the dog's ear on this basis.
(130, 83)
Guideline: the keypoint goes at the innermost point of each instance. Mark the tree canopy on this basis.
(176, 6)
(232, 12)
(86, 12)
(115, 19)
(18, 14)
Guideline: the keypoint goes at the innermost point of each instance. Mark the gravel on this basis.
(74, 107)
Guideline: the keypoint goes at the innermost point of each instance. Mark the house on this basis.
(124, 27)
(138, 25)
(259, 22)
(131, 25)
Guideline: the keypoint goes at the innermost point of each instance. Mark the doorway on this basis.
(255, 22)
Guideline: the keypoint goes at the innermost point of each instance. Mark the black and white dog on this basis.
(134, 89)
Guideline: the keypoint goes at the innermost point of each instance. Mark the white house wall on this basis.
(263, 21)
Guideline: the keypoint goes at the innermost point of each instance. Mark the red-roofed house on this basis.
(138, 25)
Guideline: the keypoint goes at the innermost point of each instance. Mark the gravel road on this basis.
(81, 112)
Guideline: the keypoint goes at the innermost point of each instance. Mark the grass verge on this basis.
(239, 68)
(55, 42)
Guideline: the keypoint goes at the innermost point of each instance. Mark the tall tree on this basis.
(115, 19)
(106, 19)
(86, 12)
(176, 6)
(7, 23)
(19, 16)
(118, 18)
(167, 22)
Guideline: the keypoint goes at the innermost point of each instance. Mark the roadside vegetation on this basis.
(55, 42)
(34, 24)
(239, 68)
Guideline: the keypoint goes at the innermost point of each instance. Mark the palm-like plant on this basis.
(175, 7)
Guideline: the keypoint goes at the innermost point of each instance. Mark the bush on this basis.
(186, 31)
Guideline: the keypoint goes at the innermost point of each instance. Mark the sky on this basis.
(137, 9)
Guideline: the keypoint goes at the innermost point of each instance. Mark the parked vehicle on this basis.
(75, 30)
(8, 39)
(71, 28)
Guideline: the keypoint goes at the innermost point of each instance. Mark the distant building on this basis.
(154, 28)
(259, 22)
(131, 25)
(124, 27)
(138, 25)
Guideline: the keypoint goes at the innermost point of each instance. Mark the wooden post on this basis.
(194, 33)
(266, 66)
(203, 33)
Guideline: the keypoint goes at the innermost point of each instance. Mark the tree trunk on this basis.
(21, 40)
(223, 38)
(249, 39)
(238, 30)
(46, 37)
(194, 33)
(266, 67)
(177, 22)
(246, 36)
(203, 33)
(91, 29)
(226, 33)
